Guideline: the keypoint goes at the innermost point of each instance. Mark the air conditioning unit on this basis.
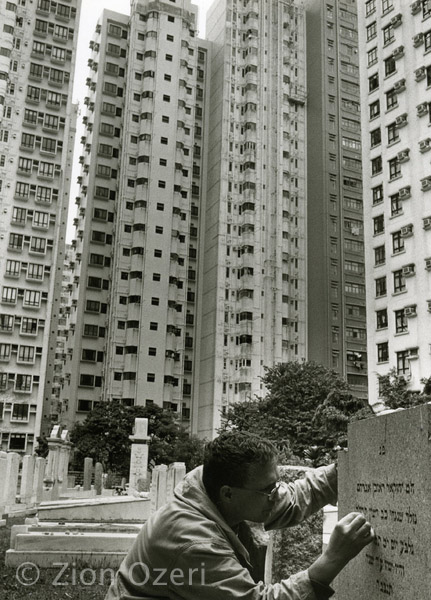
(396, 21)
(424, 145)
(401, 120)
(410, 311)
(426, 184)
(418, 39)
(429, 305)
(403, 156)
(407, 230)
(427, 222)
(400, 86)
(405, 192)
(413, 353)
(428, 264)
(422, 109)
(398, 52)
(415, 7)
(420, 73)
(408, 270)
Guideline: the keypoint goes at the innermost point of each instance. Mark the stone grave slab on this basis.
(386, 475)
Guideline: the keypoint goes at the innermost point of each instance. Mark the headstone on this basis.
(176, 472)
(88, 471)
(98, 478)
(158, 487)
(386, 475)
(27, 474)
(39, 473)
(139, 457)
(11, 480)
(3, 470)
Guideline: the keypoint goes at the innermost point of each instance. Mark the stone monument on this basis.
(386, 475)
(139, 457)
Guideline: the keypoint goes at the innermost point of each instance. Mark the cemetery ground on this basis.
(69, 586)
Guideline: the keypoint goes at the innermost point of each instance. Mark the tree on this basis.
(104, 436)
(306, 405)
(394, 390)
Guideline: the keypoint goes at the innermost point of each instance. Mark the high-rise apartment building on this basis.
(336, 270)
(37, 128)
(134, 299)
(394, 46)
(254, 268)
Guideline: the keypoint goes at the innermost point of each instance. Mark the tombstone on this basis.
(52, 467)
(88, 471)
(39, 473)
(63, 467)
(176, 472)
(158, 487)
(3, 470)
(27, 474)
(386, 475)
(139, 457)
(11, 480)
(98, 478)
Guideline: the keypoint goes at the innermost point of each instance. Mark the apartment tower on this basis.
(254, 267)
(336, 270)
(394, 50)
(37, 129)
(134, 299)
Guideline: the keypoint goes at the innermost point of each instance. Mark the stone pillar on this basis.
(98, 476)
(27, 474)
(39, 473)
(160, 484)
(11, 481)
(64, 461)
(88, 471)
(139, 457)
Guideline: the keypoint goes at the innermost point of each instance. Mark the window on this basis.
(374, 109)
(382, 352)
(403, 363)
(35, 272)
(38, 245)
(153, 326)
(399, 281)
(15, 241)
(26, 354)
(31, 298)
(426, 8)
(393, 133)
(388, 34)
(386, 5)
(378, 224)
(9, 295)
(151, 377)
(377, 194)
(376, 137)
(28, 326)
(391, 99)
(401, 325)
(6, 323)
(5, 352)
(23, 383)
(40, 219)
(380, 287)
(379, 256)
(372, 57)
(396, 205)
(376, 165)
(390, 65)
(382, 319)
(397, 242)
(371, 31)
(370, 7)
(394, 168)
(20, 412)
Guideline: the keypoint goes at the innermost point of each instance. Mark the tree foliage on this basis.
(395, 393)
(306, 405)
(104, 436)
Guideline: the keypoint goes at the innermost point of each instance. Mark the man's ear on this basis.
(225, 493)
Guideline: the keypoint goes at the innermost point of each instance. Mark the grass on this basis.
(50, 585)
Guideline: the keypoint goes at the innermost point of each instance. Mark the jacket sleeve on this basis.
(218, 575)
(304, 497)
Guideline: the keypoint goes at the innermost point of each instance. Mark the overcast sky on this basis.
(90, 13)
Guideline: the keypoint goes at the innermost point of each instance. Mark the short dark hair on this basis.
(227, 459)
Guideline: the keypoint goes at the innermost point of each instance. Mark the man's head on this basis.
(239, 472)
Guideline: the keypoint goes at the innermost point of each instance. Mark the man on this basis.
(189, 548)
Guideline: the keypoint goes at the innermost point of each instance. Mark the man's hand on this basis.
(351, 534)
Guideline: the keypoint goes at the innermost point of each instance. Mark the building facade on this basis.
(254, 268)
(133, 317)
(394, 44)
(37, 128)
(336, 270)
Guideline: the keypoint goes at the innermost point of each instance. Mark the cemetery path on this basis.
(68, 587)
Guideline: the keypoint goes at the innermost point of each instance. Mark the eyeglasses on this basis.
(270, 495)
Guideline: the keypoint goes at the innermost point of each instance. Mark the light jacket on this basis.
(187, 551)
